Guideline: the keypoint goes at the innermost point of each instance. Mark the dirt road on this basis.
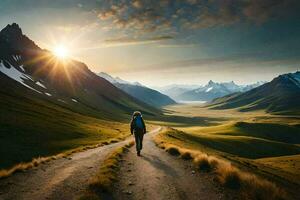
(157, 175)
(65, 178)
(154, 175)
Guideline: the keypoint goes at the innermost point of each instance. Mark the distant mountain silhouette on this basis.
(213, 90)
(281, 95)
(137, 90)
(175, 90)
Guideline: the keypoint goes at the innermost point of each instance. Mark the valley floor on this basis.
(254, 141)
(264, 144)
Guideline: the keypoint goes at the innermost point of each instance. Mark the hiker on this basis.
(138, 128)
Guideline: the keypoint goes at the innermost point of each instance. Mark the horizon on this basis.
(150, 99)
(231, 41)
(201, 83)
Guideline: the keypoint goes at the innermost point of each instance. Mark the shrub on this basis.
(186, 155)
(202, 163)
(249, 185)
(173, 151)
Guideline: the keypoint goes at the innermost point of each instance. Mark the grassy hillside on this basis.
(228, 142)
(265, 144)
(280, 96)
(49, 105)
(30, 128)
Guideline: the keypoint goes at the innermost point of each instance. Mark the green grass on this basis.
(242, 146)
(277, 132)
(284, 166)
(259, 142)
(30, 128)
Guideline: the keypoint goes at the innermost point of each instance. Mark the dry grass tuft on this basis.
(174, 151)
(202, 163)
(21, 167)
(249, 185)
(229, 176)
(102, 182)
(186, 155)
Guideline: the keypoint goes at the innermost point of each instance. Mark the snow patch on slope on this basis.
(22, 68)
(40, 84)
(16, 75)
(16, 57)
(60, 100)
(208, 89)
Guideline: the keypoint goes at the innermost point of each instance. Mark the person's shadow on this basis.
(158, 163)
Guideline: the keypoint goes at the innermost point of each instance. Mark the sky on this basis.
(162, 42)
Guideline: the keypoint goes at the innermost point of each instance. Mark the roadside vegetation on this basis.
(101, 185)
(265, 144)
(21, 167)
(249, 185)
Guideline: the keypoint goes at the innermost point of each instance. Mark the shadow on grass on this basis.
(182, 121)
(247, 147)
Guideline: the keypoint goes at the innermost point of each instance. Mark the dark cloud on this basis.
(260, 11)
(159, 17)
(153, 15)
(134, 41)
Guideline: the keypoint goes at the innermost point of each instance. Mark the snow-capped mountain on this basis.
(115, 80)
(214, 90)
(137, 90)
(27, 71)
(281, 95)
(245, 88)
(174, 90)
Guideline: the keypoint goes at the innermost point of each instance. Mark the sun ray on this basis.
(61, 52)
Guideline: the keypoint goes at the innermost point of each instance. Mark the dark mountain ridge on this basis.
(64, 82)
(143, 93)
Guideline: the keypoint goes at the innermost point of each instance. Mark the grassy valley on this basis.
(265, 144)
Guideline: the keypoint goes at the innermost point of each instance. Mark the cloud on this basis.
(261, 11)
(155, 15)
(224, 63)
(124, 41)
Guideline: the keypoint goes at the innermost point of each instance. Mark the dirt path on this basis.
(157, 175)
(62, 179)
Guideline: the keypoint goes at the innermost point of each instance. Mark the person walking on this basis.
(138, 128)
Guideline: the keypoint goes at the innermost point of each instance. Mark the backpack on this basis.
(139, 122)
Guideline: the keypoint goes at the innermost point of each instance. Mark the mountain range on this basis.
(50, 105)
(208, 92)
(280, 96)
(33, 74)
(174, 90)
(137, 90)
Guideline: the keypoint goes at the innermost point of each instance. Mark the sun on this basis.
(61, 52)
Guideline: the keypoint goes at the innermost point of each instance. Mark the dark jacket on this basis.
(133, 128)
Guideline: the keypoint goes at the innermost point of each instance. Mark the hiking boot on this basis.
(138, 153)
